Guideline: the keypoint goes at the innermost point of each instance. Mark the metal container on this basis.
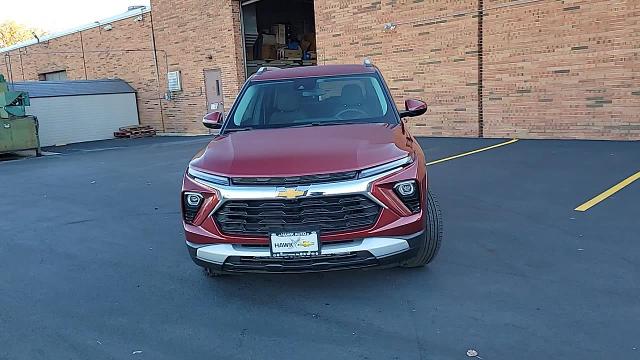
(19, 133)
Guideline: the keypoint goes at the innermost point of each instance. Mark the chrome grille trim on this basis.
(295, 180)
(360, 186)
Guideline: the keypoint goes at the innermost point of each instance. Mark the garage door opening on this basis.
(278, 33)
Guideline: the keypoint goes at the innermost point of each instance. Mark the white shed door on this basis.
(72, 119)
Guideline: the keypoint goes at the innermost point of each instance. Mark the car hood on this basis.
(303, 151)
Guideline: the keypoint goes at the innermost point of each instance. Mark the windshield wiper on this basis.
(327, 123)
(238, 129)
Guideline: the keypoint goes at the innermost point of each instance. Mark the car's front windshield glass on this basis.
(312, 101)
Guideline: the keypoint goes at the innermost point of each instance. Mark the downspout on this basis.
(155, 61)
(21, 65)
(7, 62)
(84, 63)
(480, 68)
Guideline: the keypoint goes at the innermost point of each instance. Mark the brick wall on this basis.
(562, 69)
(432, 54)
(198, 35)
(124, 52)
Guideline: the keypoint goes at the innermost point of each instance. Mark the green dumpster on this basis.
(18, 131)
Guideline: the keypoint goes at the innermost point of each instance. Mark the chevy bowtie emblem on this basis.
(291, 193)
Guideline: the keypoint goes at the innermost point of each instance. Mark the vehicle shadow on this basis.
(374, 281)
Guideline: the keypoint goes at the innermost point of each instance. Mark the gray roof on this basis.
(40, 89)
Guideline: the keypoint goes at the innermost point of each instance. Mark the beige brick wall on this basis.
(431, 54)
(124, 52)
(198, 35)
(563, 69)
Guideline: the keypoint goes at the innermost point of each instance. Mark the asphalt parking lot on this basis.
(93, 264)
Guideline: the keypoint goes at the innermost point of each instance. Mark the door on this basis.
(213, 89)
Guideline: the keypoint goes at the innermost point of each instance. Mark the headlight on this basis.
(193, 199)
(397, 164)
(409, 193)
(406, 188)
(207, 178)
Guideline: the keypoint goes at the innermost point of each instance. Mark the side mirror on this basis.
(413, 108)
(213, 120)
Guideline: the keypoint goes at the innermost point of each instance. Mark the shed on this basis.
(80, 110)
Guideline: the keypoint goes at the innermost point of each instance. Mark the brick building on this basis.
(493, 68)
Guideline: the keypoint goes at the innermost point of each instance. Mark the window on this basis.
(53, 76)
(313, 101)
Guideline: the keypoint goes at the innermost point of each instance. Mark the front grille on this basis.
(295, 180)
(324, 214)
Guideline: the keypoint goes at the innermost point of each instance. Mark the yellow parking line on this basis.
(472, 152)
(614, 189)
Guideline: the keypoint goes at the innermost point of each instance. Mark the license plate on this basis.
(295, 244)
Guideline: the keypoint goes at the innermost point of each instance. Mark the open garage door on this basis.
(278, 33)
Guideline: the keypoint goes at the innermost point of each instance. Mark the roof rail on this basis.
(264, 69)
(367, 62)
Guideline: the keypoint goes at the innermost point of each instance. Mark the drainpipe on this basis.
(84, 63)
(480, 68)
(155, 61)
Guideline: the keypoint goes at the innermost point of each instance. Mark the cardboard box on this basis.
(268, 39)
(288, 54)
(280, 32)
(305, 45)
(311, 39)
(249, 52)
(269, 52)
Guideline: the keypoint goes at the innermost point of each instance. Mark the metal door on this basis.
(213, 88)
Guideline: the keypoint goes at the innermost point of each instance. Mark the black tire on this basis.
(432, 236)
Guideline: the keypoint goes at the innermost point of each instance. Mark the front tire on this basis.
(432, 236)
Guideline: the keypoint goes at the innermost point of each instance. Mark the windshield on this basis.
(312, 101)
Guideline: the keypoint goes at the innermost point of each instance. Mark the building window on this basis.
(53, 76)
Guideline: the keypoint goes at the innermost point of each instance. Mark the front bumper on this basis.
(361, 253)
(395, 236)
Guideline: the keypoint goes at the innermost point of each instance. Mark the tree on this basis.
(13, 33)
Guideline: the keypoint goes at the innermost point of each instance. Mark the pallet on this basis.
(133, 132)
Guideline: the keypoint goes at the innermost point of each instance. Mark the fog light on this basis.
(193, 199)
(406, 188)
(191, 204)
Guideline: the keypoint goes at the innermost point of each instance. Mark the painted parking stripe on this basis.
(614, 189)
(472, 152)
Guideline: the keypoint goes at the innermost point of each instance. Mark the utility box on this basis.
(19, 133)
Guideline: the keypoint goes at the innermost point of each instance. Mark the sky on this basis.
(57, 15)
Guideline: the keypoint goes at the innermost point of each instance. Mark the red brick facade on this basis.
(544, 68)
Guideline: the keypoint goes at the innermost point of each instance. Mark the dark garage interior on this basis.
(279, 33)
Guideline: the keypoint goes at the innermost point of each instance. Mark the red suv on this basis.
(313, 170)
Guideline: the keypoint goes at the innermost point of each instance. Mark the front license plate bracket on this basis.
(295, 244)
